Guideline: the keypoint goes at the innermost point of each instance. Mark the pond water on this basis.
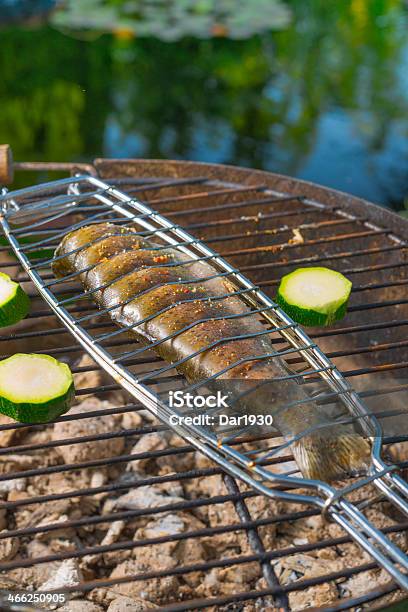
(314, 89)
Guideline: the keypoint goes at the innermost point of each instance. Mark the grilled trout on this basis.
(165, 287)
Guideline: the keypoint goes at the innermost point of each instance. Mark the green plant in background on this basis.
(173, 20)
(267, 93)
(255, 101)
(53, 102)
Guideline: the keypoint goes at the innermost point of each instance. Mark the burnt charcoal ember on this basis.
(145, 595)
(320, 595)
(158, 590)
(80, 605)
(95, 449)
(67, 574)
(9, 436)
(112, 535)
(126, 604)
(146, 497)
(147, 443)
(8, 547)
(16, 462)
(90, 376)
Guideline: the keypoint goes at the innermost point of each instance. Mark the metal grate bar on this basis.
(168, 478)
(247, 251)
(359, 270)
(386, 246)
(62, 330)
(263, 557)
(299, 585)
(251, 595)
(268, 572)
(51, 233)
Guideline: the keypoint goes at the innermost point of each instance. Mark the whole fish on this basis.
(163, 285)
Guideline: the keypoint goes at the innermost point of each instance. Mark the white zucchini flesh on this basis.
(35, 388)
(30, 378)
(314, 296)
(7, 290)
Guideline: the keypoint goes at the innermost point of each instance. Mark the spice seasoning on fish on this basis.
(240, 353)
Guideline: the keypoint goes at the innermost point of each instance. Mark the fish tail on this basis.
(332, 456)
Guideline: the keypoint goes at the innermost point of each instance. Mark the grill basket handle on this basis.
(6, 165)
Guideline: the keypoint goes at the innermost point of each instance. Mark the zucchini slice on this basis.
(314, 296)
(35, 388)
(14, 302)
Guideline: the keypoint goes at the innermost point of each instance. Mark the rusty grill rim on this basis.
(319, 194)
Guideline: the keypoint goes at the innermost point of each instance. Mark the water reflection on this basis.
(25, 11)
(324, 98)
(174, 19)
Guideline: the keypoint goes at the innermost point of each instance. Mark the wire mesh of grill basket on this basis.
(43, 214)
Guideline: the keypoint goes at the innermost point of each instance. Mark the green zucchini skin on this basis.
(39, 409)
(17, 307)
(26, 412)
(308, 317)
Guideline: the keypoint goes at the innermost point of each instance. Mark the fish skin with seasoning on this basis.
(132, 267)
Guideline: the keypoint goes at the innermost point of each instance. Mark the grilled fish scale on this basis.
(143, 280)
